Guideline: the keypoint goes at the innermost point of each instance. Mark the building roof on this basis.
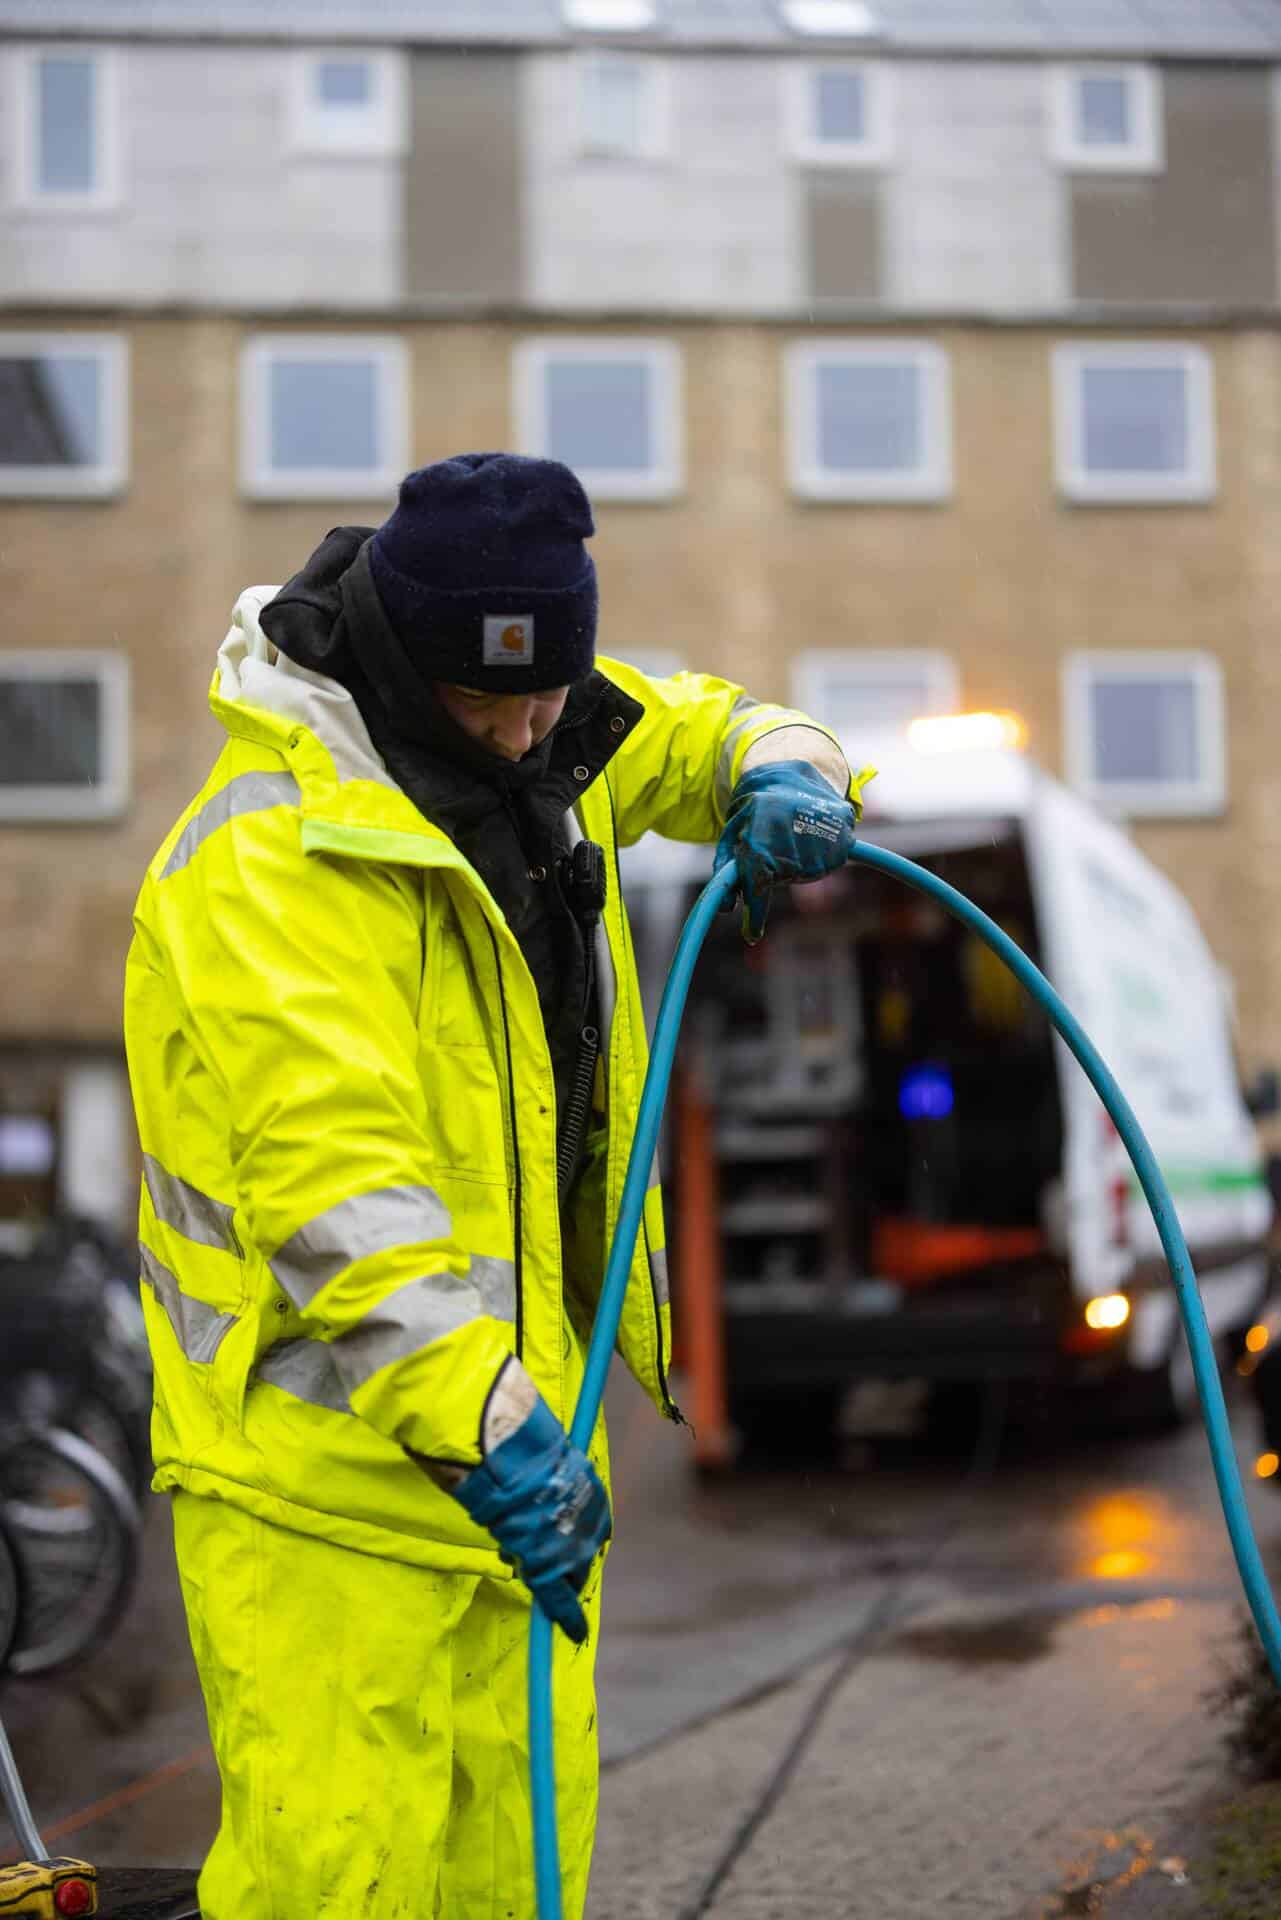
(1172, 29)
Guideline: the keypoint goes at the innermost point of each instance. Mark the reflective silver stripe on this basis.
(199, 1327)
(745, 713)
(195, 1215)
(658, 1273)
(496, 1283)
(405, 1322)
(364, 1224)
(304, 1368)
(247, 793)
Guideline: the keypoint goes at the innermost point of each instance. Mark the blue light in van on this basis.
(925, 1093)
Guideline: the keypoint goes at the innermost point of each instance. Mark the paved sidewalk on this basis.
(975, 1783)
(1018, 1747)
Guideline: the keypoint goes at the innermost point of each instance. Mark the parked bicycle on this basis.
(74, 1454)
(75, 1345)
(72, 1526)
(10, 1598)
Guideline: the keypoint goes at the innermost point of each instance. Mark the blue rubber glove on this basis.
(543, 1501)
(786, 822)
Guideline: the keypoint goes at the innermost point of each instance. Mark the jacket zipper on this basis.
(673, 1411)
(518, 1257)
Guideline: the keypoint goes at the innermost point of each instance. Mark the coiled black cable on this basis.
(574, 1118)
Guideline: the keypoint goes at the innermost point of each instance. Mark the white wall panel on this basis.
(214, 208)
(709, 227)
(975, 211)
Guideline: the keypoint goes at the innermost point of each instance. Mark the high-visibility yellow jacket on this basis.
(344, 1099)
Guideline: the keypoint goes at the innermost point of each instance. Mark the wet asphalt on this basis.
(1009, 1669)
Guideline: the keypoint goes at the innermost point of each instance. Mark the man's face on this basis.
(508, 724)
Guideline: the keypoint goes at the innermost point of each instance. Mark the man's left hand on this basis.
(786, 822)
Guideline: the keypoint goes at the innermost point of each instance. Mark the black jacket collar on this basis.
(329, 617)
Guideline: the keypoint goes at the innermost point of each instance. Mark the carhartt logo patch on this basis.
(509, 639)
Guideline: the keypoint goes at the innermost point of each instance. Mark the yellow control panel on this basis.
(61, 1889)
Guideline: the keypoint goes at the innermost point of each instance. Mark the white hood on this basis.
(253, 673)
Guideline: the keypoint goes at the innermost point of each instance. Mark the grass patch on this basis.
(1240, 1873)
(1250, 1701)
(1242, 1878)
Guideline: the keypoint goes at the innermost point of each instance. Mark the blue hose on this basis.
(663, 1053)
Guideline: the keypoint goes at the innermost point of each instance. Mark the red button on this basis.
(73, 1896)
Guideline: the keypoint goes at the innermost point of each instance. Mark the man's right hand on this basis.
(786, 822)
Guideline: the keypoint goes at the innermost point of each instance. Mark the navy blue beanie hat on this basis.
(483, 575)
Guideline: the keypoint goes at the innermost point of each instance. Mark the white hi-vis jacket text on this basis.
(345, 1104)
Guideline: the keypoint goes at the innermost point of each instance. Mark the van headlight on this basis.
(1106, 1312)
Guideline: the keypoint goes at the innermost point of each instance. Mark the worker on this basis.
(386, 1046)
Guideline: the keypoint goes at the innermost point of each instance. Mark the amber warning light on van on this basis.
(968, 733)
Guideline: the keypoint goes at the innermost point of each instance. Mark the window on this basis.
(610, 409)
(869, 420)
(63, 415)
(1107, 119)
(28, 1145)
(622, 106)
(836, 19)
(609, 16)
(347, 102)
(64, 735)
(1144, 732)
(323, 417)
(840, 114)
(67, 128)
(858, 693)
(1134, 422)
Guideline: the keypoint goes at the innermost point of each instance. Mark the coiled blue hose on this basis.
(666, 1031)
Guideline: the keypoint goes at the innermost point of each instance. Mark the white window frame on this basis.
(655, 135)
(875, 149)
(932, 481)
(830, 19)
(259, 480)
(665, 479)
(1148, 799)
(814, 669)
(108, 799)
(380, 129)
(1197, 484)
(1143, 153)
(609, 16)
(110, 475)
(104, 195)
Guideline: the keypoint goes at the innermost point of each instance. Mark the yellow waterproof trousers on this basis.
(369, 1721)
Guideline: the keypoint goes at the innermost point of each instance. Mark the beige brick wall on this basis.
(734, 576)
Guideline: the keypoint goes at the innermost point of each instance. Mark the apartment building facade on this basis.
(915, 356)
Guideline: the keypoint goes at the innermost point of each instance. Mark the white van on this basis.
(916, 1179)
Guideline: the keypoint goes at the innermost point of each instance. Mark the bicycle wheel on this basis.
(74, 1528)
(11, 1598)
(108, 1405)
(120, 1431)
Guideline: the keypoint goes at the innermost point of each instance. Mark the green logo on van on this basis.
(1207, 1179)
